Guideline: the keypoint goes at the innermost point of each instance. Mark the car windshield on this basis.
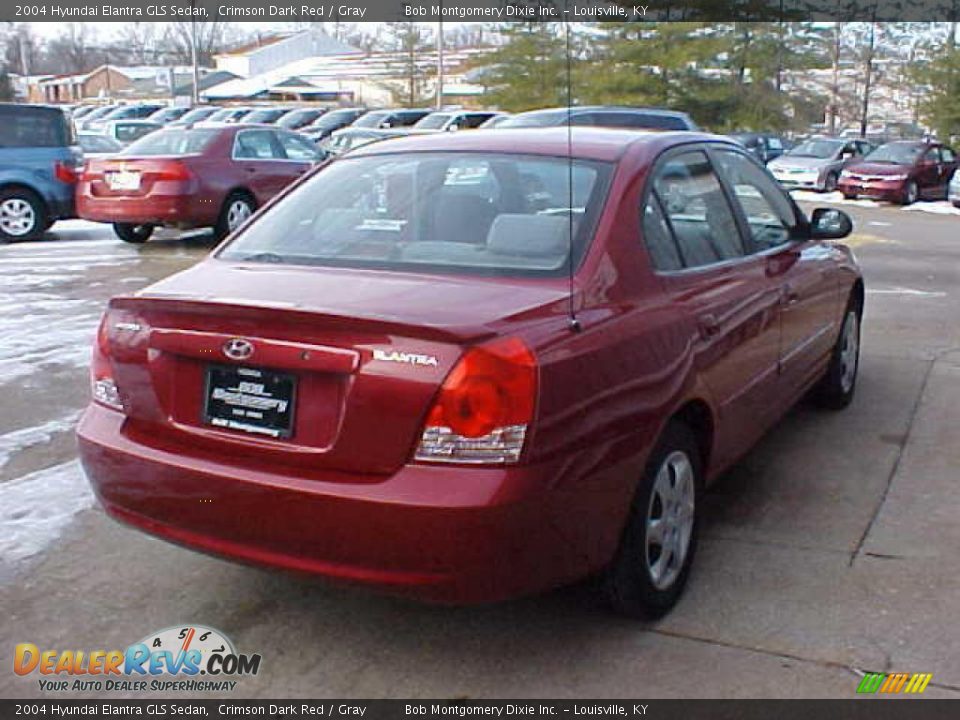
(823, 149)
(896, 154)
(197, 114)
(226, 113)
(263, 116)
(546, 118)
(494, 214)
(297, 117)
(336, 118)
(433, 121)
(372, 119)
(91, 143)
(172, 142)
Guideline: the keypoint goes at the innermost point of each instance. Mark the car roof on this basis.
(590, 143)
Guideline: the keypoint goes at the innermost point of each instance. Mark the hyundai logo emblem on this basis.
(238, 349)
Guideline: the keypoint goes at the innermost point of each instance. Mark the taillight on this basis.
(483, 410)
(118, 328)
(64, 172)
(172, 170)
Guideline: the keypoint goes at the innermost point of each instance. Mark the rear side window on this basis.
(23, 127)
(256, 145)
(663, 250)
(697, 210)
(948, 155)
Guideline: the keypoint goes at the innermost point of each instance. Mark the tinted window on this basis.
(658, 239)
(495, 214)
(475, 120)
(256, 145)
(769, 214)
(33, 127)
(173, 142)
(948, 155)
(697, 209)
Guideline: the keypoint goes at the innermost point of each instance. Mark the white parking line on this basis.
(905, 291)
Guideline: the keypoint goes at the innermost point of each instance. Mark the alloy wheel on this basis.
(17, 217)
(237, 213)
(849, 352)
(669, 523)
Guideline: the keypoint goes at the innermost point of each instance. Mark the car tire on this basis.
(23, 215)
(830, 182)
(838, 384)
(133, 233)
(956, 204)
(849, 196)
(643, 582)
(236, 210)
(911, 193)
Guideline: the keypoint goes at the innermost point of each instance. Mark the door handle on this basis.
(790, 296)
(708, 325)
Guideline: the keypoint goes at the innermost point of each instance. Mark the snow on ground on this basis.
(36, 508)
(14, 442)
(936, 207)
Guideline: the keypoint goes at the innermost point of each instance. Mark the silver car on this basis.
(816, 164)
(953, 193)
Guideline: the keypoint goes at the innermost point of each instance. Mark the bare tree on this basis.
(72, 50)
(212, 37)
(138, 42)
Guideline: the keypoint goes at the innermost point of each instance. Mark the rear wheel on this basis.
(830, 183)
(652, 564)
(23, 215)
(911, 193)
(235, 212)
(131, 233)
(836, 388)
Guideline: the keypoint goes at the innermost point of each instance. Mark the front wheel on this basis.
(131, 233)
(653, 562)
(22, 215)
(838, 384)
(849, 196)
(830, 183)
(910, 193)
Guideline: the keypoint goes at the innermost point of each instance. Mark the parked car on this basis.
(816, 164)
(97, 144)
(230, 114)
(265, 115)
(385, 119)
(39, 161)
(94, 115)
(954, 190)
(127, 131)
(602, 116)
(124, 112)
(204, 176)
(496, 121)
(334, 120)
(350, 138)
(903, 172)
(197, 114)
(78, 112)
(764, 147)
(169, 114)
(300, 117)
(378, 380)
(452, 120)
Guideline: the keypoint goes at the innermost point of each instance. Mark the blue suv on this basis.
(39, 163)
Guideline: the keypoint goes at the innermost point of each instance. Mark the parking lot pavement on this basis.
(828, 551)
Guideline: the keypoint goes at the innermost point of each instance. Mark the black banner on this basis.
(878, 709)
(478, 10)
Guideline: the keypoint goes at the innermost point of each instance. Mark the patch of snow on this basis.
(13, 442)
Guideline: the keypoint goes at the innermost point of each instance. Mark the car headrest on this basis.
(529, 235)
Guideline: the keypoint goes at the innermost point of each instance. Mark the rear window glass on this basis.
(173, 142)
(22, 127)
(494, 214)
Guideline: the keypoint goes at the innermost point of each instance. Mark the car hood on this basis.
(786, 162)
(868, 168)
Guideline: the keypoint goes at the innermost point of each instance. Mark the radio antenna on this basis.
(571, 306)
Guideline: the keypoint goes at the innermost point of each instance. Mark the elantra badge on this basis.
(396, 356)
(238, 349)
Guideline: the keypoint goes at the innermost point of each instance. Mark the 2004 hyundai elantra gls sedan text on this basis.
(392, 377)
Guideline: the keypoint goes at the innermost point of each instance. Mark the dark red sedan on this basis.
(902, 172)
(439, 367)
(201, 176)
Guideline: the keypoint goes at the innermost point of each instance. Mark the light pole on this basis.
(193, 55)
(440, 60)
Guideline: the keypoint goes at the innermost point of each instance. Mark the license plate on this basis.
(251, 400)
(123, 180)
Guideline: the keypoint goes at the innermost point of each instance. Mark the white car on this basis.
(953, 193)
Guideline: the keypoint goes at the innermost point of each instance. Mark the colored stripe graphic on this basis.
(894, 683)
(918, 682)
(870, 683)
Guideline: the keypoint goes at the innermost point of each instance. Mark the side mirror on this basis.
(830, 224)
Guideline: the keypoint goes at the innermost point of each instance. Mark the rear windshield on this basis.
(23, 127)
(492, 213)
(173, 142)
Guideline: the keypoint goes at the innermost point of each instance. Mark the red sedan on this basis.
(202, 176)
(902, 172)
(394, 376)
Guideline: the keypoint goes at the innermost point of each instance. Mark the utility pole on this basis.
(195, 94)
(440, 60)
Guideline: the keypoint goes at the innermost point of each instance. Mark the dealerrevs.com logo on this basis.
(184, 658)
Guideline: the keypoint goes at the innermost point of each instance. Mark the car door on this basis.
(261, 162)
(713, 279)
(949, 158)
(929, 171)
(803, 271)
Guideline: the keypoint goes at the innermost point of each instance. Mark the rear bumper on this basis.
(441, 534)
(175, 210)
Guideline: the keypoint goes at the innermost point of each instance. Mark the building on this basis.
(272, 51)
(110, 82)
